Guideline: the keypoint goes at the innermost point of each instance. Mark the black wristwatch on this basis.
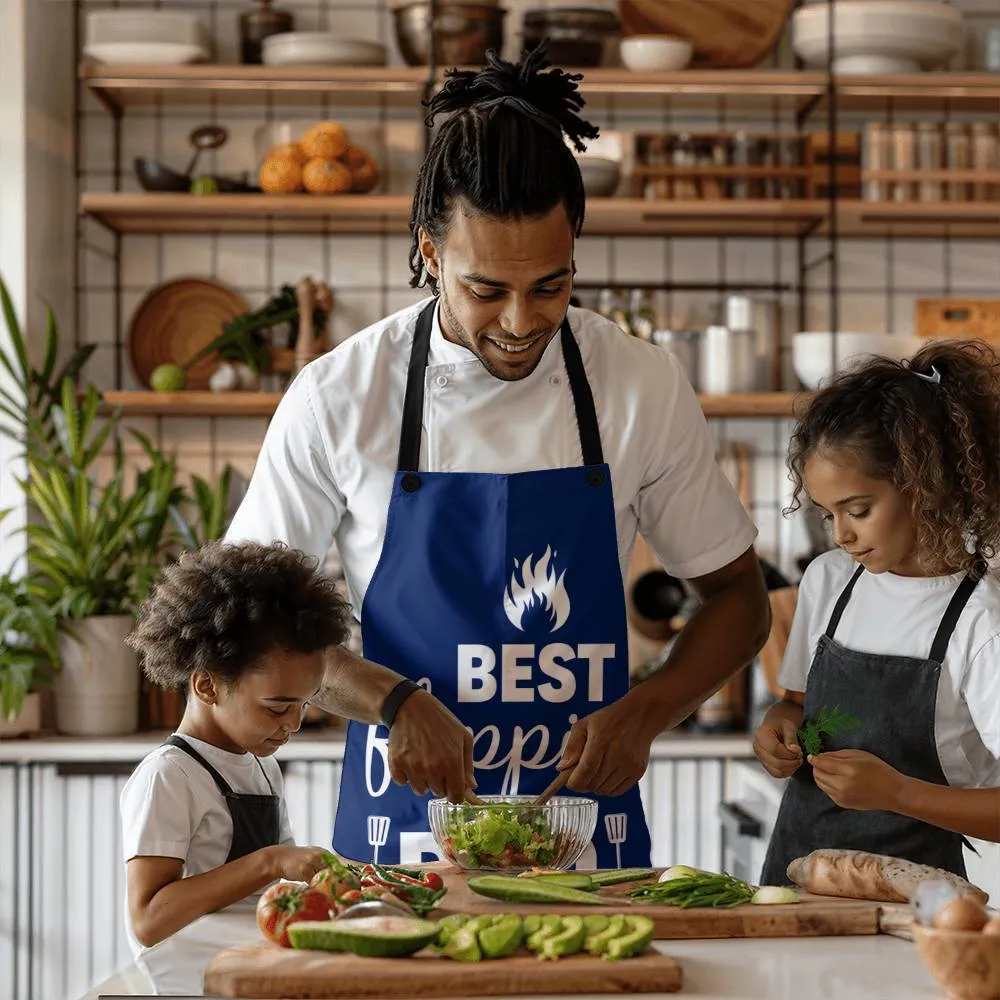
(395, 698)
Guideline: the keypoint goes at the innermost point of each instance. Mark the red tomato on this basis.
(433, 881)
(286, 903)
(328, 883)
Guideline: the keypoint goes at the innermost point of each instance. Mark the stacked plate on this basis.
(320, 48)
(146, 37)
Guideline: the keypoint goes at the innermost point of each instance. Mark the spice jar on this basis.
(957, 148)
(256, 25)
(985, 156)
(876, 157)
(929, 157)
(903, 158)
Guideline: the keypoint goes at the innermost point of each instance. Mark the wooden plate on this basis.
(175, 321)
(726, 34)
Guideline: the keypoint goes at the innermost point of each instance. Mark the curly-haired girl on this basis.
(243, 629)
(899, 627)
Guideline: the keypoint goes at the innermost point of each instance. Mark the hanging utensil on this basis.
(202, 138)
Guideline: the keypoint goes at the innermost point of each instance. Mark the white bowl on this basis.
(320, 48)
(146, 53)
(813, 353)
(655, 53)
(878, 36)
(600, 176)
(156, 37)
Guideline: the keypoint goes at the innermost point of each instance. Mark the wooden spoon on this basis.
(560, 782)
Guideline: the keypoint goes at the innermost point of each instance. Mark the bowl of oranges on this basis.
(320, 160)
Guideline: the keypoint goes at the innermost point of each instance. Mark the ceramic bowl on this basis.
(600, 176)
(508, 834)
(655, 53)
(813, 357)
(320, 48)
(878, 36)
(965, 964)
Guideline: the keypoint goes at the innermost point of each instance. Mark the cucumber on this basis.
(570, 880)
(616, 876)
(372, 937)
(532, 890)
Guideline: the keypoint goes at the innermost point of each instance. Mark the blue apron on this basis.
(502, 595)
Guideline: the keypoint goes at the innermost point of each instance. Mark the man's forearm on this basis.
(355, 688)
(723, 636)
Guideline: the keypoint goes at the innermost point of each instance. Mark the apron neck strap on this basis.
(945, 630)
(950, 619)
(413, 401)
(182, 744)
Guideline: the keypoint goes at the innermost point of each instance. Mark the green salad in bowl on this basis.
(508, 833)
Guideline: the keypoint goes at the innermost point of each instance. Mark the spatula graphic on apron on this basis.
(616, 826)
(378, 834)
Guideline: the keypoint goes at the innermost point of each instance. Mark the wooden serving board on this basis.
(815, 916)
(267, 971)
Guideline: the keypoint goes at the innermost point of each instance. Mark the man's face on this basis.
(505, 285)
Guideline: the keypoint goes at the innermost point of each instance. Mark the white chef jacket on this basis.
(899, 615)
(326, 467)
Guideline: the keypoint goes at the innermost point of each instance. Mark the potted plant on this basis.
(95, 547)
(29, 652)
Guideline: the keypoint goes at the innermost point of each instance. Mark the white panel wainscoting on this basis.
(62, 880)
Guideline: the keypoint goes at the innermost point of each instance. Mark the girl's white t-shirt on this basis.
(171, 807)
(899, 615)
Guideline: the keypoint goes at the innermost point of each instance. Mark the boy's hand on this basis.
(776, 745)
(296, 864)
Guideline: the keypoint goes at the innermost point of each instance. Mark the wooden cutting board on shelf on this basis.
(815, 916)
(726, 34)
(267, 971)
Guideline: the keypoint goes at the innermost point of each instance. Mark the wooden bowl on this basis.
(175, 321)
(965, 964)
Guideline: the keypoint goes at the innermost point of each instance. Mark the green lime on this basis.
(204, 185)
(167, 378)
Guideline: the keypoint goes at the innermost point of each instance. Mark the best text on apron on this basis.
(502, 595)
(256, 818)
(895, 698)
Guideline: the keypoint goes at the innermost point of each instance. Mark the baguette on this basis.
(859, 875)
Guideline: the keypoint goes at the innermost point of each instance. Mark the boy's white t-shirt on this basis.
(900, 615)
(171, 807)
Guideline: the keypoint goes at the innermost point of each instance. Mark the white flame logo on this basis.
(539, 589)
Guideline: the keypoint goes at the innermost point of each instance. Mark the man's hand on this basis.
(777, 747)
(604, 753)
(855, 779)
(430, 749)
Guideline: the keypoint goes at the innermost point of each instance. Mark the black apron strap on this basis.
(413, 401)
(176, 741)
(583, 398)
(841, 605)
(950, 619)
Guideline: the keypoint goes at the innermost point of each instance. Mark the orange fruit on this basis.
(280, 175)
(326, 177)
(324, 141)
(292, 151)
(364, 173)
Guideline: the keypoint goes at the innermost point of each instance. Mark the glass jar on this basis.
(258, 24)
(929, 157)
(957, 148)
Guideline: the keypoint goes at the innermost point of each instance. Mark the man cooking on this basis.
(483, 461)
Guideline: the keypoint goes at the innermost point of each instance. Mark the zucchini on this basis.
(616, 876)
(532, 890)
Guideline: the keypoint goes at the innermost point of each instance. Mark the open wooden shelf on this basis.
(919, 219)
(120, 86)
(932, 92)
(374, 214)
(263, 404)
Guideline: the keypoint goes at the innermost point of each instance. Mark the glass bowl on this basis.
(507, 834)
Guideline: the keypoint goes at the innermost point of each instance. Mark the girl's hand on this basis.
(296, 864)
(855, 779)
(776, 745)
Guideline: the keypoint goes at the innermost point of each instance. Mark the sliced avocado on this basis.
(637, 938)
(598, 943)
(532, 923)
(595, 923)
(503, 938)
(567, 942)
(464, 945)
(448, 925)
(372, 937)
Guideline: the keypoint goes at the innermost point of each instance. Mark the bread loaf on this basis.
(859, 875)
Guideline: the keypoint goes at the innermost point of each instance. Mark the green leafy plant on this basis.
(98, 546)
(830, 721)
(29, 643)
(212, 511)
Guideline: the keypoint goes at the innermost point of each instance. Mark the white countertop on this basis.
(308, 744)
(844, 968)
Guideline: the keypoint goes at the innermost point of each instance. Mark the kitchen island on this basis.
(834, 968)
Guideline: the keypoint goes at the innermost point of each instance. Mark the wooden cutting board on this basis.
(815, 916)
(726, 34)
(267, 971)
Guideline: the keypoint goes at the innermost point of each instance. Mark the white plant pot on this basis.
(27, 720)
(97, 689)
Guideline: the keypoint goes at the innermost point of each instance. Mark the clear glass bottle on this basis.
(875, 157)
(958, 148)
(929, 157)
(985, 156)
(903, 158)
